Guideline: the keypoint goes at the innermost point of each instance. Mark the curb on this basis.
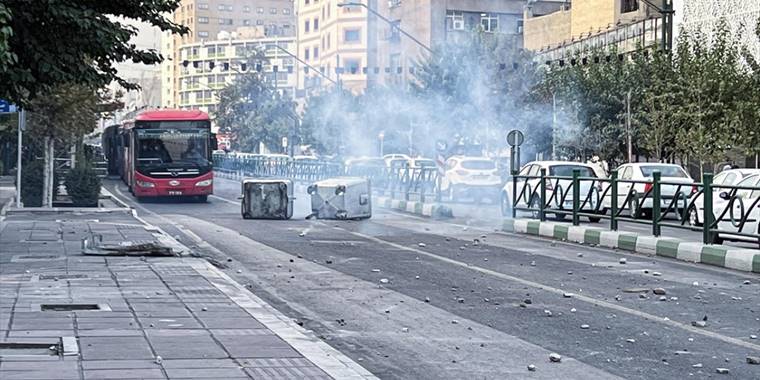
(742, 259)
(433, 210)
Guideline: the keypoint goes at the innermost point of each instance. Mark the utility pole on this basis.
(554, 126)
(21, 127)
(628, 125)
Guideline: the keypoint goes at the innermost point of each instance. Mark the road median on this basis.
(743, 259)
(433, 210)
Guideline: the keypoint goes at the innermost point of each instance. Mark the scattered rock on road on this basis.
(555, 358)
(753, 336)
(384, 281)
(585, 327)
(427, 299)
(422, 245)
(698, 365)
(754, 360)
(567, 295)
(656, 274)
(699, 323)
(663, 298)
(532, 263)
(635, 290)
(548, 313)
(659, 291)
(695, 283)
(631, 340)
(747, 282)
(623, 260)
(531, 367)
(722, 370)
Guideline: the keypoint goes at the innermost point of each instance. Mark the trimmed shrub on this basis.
(83, 186)
(31, 183)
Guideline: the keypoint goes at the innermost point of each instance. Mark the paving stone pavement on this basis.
(158, 317)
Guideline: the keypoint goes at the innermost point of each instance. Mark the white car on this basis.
(420, 162)
(471, 176)
(728, 178)
(680, 186)
(744, 202)
(558, 191)
(394, 156)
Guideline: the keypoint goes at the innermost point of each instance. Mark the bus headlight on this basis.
(205, 182)
(145, 184)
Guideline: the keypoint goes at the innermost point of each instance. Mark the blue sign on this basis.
(6, 107)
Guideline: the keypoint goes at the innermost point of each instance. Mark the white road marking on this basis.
(560, 292)
(224, 200)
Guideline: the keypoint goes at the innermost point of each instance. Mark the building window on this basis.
(329, 37)
(273, 11)
(316, 24)
(394, 3)
(220, 7)
(323, 42)
(246, 9)
(202, 5)
(520, 26)
(489, 22)
(351, 35)
(306, 54)
(629, 6)
(225, 21)
(202, 34)
(323, 12)
(316, 52)
(285, 11)
(260, 10)
(394, 33)
(352, 66)
(259, 22)
(203, 20)
(306, 26)
(247, 22)
(306, 2)
(454, 20)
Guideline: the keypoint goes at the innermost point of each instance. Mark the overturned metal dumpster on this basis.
(341, 198)
(267, 199)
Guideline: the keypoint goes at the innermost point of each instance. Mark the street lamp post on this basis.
(411, 37)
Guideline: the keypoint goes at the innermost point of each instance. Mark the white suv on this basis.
(473, 177)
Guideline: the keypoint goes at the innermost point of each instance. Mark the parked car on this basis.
(394, 156)
(420, 162)
(744, 202)
(472, 176)
(680, 186)
(562, 188)
(727, 178)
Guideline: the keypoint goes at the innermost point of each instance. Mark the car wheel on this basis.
(506, 205)
(594, 219)
(560, 217)
(694, 217)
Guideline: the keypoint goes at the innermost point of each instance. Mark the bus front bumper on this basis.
(171, 187)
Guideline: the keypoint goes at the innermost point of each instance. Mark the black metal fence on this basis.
(715, 210)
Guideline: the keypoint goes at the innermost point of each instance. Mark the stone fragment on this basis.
(659, 291)
(585, 327)
(623, 260)
(384, 281)
(531, 367)
(722, 371)
(754, 360)
(555, 358)
(422, 245)
(699, 323)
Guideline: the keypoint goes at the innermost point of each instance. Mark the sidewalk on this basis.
(137, 317)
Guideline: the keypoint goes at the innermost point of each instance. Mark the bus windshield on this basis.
(188, 146)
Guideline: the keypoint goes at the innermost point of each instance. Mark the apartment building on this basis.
(332, 40)
(363, 44)
(211, 21)
(582, 25)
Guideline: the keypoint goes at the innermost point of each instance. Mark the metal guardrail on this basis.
(737, 214)
(400, 182)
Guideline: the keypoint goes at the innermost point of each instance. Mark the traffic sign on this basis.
(515, 138)
(7, 107)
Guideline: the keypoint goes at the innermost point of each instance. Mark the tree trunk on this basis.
(45, 187)
(50, 171)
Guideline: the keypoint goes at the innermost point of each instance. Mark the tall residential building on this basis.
(333, 41)
(208, 20)
(148, 37)
(364, 48)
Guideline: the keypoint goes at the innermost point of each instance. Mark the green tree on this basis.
(54, 42)
(253, 112)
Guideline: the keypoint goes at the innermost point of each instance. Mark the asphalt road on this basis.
(413, 298)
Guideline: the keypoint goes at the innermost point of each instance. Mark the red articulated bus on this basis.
(167, 153)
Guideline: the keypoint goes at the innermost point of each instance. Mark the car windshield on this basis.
(172, 145)
(665, 171)
(478, 165)
(567, 171)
